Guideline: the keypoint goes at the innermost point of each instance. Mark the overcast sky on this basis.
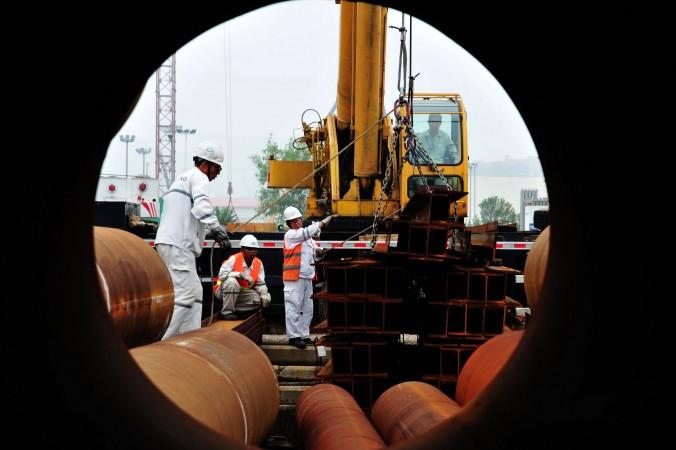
(270, 65)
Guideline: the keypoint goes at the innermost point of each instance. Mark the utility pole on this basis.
(472, 175)
(143, 151)
(186, 132)
(127, 139)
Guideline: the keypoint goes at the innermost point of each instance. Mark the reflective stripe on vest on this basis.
(254, 269)
(291, 267)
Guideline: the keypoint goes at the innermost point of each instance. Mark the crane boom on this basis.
(361, 166)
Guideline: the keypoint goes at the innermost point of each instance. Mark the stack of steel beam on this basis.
(446, 304)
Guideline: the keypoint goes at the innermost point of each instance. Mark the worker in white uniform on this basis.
(241, 282)
(298, 270)
(187, 215)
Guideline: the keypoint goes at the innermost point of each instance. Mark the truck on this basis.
(131, 203)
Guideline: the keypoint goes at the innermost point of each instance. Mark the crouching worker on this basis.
(242, 282)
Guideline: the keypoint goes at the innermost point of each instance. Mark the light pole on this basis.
(186, 132)
(472, 173)
(127, 139)
(143, 151)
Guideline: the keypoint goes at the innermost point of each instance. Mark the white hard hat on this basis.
(291, 213)
(210, 152)
(249, 241)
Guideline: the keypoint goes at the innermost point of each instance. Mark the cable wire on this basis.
(360, 232)
(311, 174)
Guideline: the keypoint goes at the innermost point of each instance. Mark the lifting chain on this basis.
(436, 170)
(380, 208)
(388, 184)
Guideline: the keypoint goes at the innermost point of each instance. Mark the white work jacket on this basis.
(307, 255)
(187, 213)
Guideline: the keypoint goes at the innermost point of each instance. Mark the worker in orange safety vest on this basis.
(298, 270)
(242, 282)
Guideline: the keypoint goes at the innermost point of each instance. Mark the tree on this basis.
(225, 215)
(497, 209)
(268, 197)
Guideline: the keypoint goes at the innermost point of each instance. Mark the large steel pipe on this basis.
(484, 364)
(566, 385)
(329, 418)
(135, 284)
(409, 409)
(217, 376)
(535, 268)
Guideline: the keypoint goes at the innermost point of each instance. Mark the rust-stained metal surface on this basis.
(251, 327)
(217, 376)
(484, 364)
(535, 268)
(411, 408)
(571, 384)
(135, 284)
(329, 418)
(195, 386)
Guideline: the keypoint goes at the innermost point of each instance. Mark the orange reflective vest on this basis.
(255, 269)
(291, 267)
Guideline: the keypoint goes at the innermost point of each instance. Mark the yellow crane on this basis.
(363, 162)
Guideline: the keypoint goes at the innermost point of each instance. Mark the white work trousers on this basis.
(237, 299)
(182, 267)
(298, 307)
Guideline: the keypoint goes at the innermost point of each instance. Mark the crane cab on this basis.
(440, 136)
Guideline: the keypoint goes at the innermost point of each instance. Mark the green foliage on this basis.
(266, 196)
(497, 209)
(225, 215)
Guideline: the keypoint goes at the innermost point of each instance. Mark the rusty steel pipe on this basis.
(193, 384)
(217, 376)
(135, 284)
(484, 364)
(535, 268)
(409, 409)
(329, 418)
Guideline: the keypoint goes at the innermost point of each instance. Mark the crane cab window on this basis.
(435, 134)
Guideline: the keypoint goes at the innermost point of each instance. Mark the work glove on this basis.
(319, 252)
(221, 236)
(326, 220)
(237, 275)
(265, 300)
